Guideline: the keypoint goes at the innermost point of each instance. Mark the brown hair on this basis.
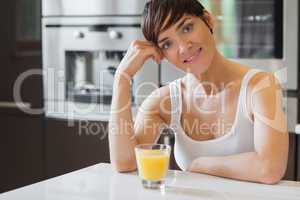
(157, 11)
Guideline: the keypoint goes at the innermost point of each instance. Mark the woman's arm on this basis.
(267, 164)
(122, 136)
(121, 140)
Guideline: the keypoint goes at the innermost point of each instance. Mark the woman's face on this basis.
(188, 44)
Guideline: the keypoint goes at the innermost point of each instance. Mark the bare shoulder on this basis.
(264, 95)
(264, 81)
(158, 103)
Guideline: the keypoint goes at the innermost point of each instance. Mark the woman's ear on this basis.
(209, 20)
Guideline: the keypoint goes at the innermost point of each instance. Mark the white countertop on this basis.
(102, 182)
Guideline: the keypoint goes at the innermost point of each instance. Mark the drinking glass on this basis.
(153, 163)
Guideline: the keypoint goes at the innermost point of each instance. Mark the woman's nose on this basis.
(184, 46)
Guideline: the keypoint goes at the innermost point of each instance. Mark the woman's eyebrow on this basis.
(178, 26)
(181, 23)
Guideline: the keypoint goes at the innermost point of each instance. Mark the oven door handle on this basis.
(12, 104)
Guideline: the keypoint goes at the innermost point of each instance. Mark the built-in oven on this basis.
(83, 45)
(72, 8)
(261, 34)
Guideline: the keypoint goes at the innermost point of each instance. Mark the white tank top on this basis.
(238, 140)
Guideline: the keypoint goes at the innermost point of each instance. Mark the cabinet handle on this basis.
(12, 104)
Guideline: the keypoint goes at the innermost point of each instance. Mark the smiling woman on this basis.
(227, 118)
(189, 21)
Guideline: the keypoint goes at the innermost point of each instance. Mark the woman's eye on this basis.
(188, 28)
(166, 45)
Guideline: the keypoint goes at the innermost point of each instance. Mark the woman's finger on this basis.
(149, 50)
(142, 43)
(157, 57)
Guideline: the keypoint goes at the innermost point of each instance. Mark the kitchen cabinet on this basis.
(291, 167)
(22, 135)
(18, 56)
(21, 151)
(69, 148)
(298, 159)
(298, 136)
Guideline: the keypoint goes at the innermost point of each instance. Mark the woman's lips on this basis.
(193, 57)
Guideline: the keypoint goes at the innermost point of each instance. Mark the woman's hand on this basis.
(136, 55)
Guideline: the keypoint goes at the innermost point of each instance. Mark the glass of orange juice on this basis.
(153, 164)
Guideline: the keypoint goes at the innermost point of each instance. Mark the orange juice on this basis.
(153, 164)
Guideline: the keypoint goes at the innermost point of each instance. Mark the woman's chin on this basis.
(197, 69)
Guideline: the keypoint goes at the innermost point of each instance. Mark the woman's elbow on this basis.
(272, 175)
(271, 179)
(124, 166)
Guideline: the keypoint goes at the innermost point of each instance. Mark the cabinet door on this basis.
(291, 109)
(21, 151)
(298, 158)
(20, 53)
(290, 173)
(74, 147)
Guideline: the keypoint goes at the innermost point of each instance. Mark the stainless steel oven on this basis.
(259, 33)
(73, 8)
(83, 43)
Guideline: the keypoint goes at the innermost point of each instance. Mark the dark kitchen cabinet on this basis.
(21, 151)
(298, 136)
(22, 135)
(19, 54)
(298, 159)
(291, 167)
(69, 148)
